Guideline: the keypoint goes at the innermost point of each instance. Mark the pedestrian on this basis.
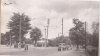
(26, 47)
(15, 45)
(19, 45)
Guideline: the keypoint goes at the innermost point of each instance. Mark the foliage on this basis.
(95, 36)
(77, 33)
(35, 34)
(3, 39)
(60, 39)
(19, 22)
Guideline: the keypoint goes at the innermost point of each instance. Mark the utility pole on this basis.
(20, 30)
(99, 31)
(45, 36)
(85, 37)
(58, 34)
(0, 33)
(62, 26)
(57, 39)
(0, 26)
(10, 39)
(47, 28)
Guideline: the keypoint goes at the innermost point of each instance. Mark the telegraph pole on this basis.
(47, 28)
(45, 36)
(99, 34)
(20, 31)
(85, 37)
(62, 26)
(10, 39)
(0, 26)
(58, 34)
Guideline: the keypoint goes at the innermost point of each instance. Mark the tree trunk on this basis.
(77, 47)
(35, 43)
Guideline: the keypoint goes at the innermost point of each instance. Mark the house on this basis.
(42, 42)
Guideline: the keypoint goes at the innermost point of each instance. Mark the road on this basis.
(39, 51)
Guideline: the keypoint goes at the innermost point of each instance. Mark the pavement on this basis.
(38, 51)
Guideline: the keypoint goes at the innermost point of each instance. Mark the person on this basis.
(26, 47)
(22, 45)
(19, 45)
(15, 45)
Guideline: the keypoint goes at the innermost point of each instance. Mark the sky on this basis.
(40, 11)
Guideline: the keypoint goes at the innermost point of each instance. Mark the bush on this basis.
(92, 51)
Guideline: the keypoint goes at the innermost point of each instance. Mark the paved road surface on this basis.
(37, 51)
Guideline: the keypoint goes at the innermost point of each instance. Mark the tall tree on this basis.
(95, 36)
(8, 37)
(3, 39)
(19, 26)
(35, 34)
(77, 33)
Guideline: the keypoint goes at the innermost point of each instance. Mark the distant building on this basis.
(42, 42)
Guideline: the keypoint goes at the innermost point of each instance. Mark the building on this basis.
(42, 42)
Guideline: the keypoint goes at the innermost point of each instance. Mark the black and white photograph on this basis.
(49, 28)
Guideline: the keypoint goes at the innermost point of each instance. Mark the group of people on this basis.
(21, 45)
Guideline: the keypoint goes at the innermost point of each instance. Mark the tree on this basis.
(94, 43)
(3, 39)
(77, 33)
(19, 26)
(60, 39)
(95, 36)
(35, 34)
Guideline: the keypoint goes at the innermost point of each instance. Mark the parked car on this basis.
(62, 47)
